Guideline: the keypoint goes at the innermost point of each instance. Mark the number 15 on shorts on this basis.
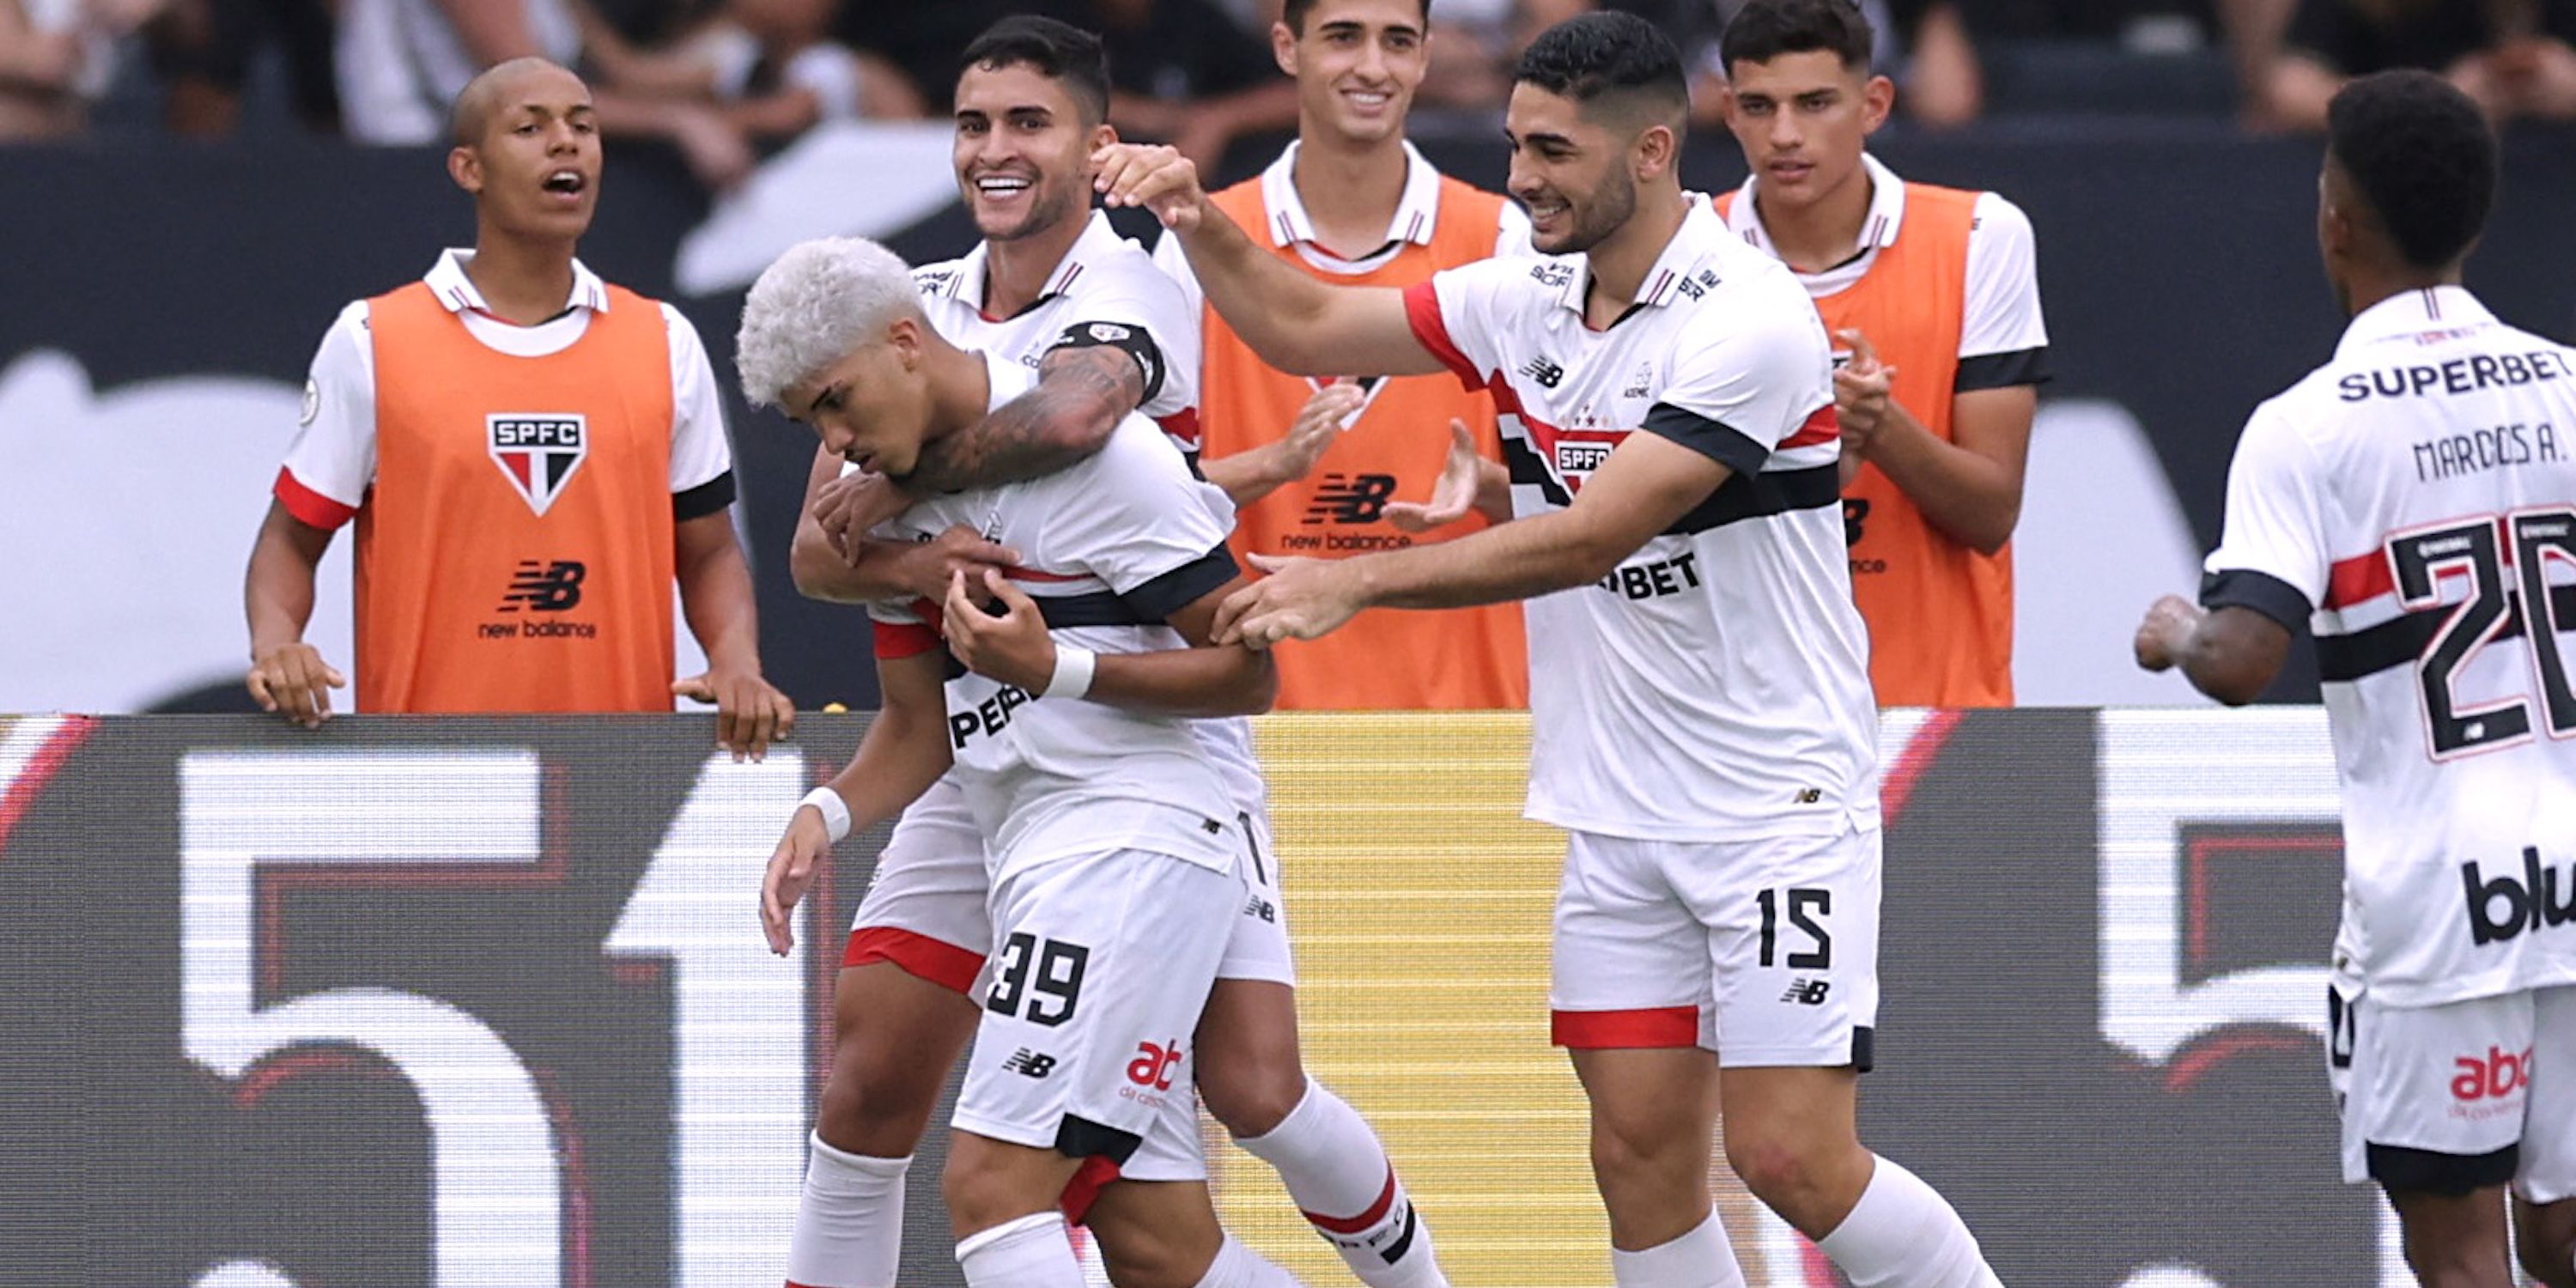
(1805, 910)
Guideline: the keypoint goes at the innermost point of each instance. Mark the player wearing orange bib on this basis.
(533, 457)
(1351, 201)
(1933, 297)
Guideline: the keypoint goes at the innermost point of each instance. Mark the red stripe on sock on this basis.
(1354, 1225)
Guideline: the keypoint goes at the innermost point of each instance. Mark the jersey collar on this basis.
(966, 285)
(1681, 255)
(447, 280)
(1886, 210)
(2411, 313)
(1417, 212)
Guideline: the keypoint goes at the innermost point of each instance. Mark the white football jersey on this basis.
(2414, 503)
(1715, 685)
(1114, 546)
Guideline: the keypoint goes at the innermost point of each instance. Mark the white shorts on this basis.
(2457, 1097)
(1105, 964)
(925, 908)
(1764, 951)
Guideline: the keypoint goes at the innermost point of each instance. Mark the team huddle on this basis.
(1646, 408)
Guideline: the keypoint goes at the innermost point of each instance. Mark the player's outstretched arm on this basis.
(1200, 681)
(904, 752)
(1648, 483)
(1298, 324)
(715, 593)
(1081, 395)
(287, 675)
(2232, 654)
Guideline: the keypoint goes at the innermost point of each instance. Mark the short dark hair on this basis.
(1606, 54)
(1058, 51)
(2423, 157)
(1765, 29)
(1293, 12)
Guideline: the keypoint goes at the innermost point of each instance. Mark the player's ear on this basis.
(1656, 151)
(1877, 99)
(465, 166)
(1283, 48)
(904, 335)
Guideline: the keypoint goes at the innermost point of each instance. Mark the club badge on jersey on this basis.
(538, 452)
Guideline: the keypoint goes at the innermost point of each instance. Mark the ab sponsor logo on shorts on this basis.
(1150, 1074)
(2492, 1085)
(2503, 908)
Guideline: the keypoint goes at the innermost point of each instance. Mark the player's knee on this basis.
(1782, 1173)
(1631, 1142)
(1141, 1257)
(980, 1191)
(1251, 1097)
(866, 1110)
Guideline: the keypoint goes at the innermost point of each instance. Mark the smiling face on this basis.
(1357, 64)
(1802, 119)
(1570, 170)
(533, 157)
(1022, 151)
(872, 408)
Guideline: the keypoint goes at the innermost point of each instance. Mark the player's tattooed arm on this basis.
(1081, 395)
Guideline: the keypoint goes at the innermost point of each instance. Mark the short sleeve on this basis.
(1175, 264)
(1454, 315)
(2272, 557)
(332, 461)
(1144, 526)
(701, 454)
(1145, 314)
(1738, 393)
(2003, 340)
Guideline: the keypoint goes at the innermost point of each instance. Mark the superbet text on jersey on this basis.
(2414, 503)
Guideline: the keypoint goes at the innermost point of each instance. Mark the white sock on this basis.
(849, 1223)
(1339, 1174)
(1032, 1252)
(1700, 1259)
(1903, 1234)
(1237, 1266)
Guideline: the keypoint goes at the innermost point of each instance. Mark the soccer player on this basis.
(1352, 201)
(1935, 294)
(1053, 289)
(533, 457)
(2413, 503)
(1700, 701)
(1116, 851)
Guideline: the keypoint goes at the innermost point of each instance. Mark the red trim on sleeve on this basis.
(1422, 313)
(1355, 1224)
(1181, 427)
(1654, 1026)
(2358, 580)
(1823, 427)
(899, 640)
(313, 508)
(916, 954)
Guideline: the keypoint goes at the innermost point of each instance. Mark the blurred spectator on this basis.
(759, 71)
(55, 59)
(2512, 56)
(401, 62)
(1182, 72)
(202, 52)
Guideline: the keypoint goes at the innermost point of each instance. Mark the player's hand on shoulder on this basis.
(1301, 599)
(928, 569)
(1453, 495)
(791, 869)
(1011, 646)
(750, 712)
(2169, 623)
(847, 507)
(1154, 176)
(292, 680)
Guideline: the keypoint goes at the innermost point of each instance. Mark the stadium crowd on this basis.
(722, 80)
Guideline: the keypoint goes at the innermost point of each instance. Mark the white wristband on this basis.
(1073, 668)
(835, 811)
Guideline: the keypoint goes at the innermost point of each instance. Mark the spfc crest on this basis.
(538, 451)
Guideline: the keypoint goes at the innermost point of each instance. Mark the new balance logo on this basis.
(1029, 1062)
(543, 587)
(1543, 370)
(1260, 907)
(1807, 992)
(1351, 498)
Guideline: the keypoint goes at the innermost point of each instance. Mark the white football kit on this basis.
(2413, 503)
(925, 908)
(1117, 864)
(1701, 719)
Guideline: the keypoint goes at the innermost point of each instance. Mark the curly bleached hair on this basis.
(821, 302)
